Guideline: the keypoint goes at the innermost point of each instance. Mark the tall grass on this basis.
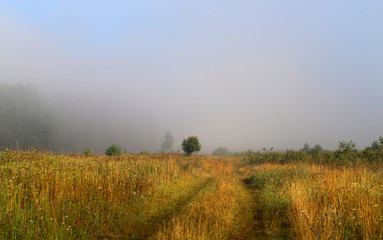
(218, 212)
(320, 202)
(169, 196)
(47, 196)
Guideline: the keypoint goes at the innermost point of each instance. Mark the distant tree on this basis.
(375, 145)
(268, 150)
(144, 152)
(264, 149)
(167, 143)
(26, 120)
(318, 148)
(191, 145)
(113, 150)
(346, 147)
(88, 152)
(221, 151)
(306, 148)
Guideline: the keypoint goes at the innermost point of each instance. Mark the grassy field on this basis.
(170, 196)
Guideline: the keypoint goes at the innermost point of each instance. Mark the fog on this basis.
(243, 75)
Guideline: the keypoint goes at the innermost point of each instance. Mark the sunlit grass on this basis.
(170, 196)
(319, 202)
(45, 196)
(217, 212)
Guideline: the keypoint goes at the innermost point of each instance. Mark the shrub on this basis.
(190, 145)
(113, 150)
(144, 152)
(221, 151)
(88, 152)
(167, 143)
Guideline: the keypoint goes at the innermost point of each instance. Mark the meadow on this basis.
(48, 196)
(172, 196)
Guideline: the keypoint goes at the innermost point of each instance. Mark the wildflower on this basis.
(25, 227)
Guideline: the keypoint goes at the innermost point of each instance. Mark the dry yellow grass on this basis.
(321, 202)
(47, 196)
(217, 212)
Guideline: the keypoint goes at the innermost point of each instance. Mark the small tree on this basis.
(318, 148)
(306, 148)
(346, 147)
(375, 145)
(167, 143)
(144, 152)
(346, 153)
(113, 150)
(221, 151)
(191, 145)
(88, 152)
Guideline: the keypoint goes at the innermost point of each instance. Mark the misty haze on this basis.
(238, 75)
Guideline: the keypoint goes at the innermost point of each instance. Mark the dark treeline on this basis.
(345, 155)
(26, 120)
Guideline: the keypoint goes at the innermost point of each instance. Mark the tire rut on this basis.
(254, 229)
(154, 223)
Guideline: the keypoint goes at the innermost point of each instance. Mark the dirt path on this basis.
(254, 228)
(155, 222)
(148, 228)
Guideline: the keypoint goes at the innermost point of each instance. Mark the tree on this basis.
(221, 151)
(346, 147)
(306, 148)
(88, 152)
(26, 120)
(167, 143)
(191, 145)
(113, 150)
(144, 152)
(318, 148)
(375, 145)
(378, 144)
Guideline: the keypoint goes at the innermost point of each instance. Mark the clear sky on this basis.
(239, 74)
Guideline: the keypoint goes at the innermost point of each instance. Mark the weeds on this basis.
(319, 202)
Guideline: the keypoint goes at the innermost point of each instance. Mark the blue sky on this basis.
(242, 74)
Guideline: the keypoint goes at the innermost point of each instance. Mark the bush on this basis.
(221, 151)
(190, 145)
(88, 152)
(113, 150)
